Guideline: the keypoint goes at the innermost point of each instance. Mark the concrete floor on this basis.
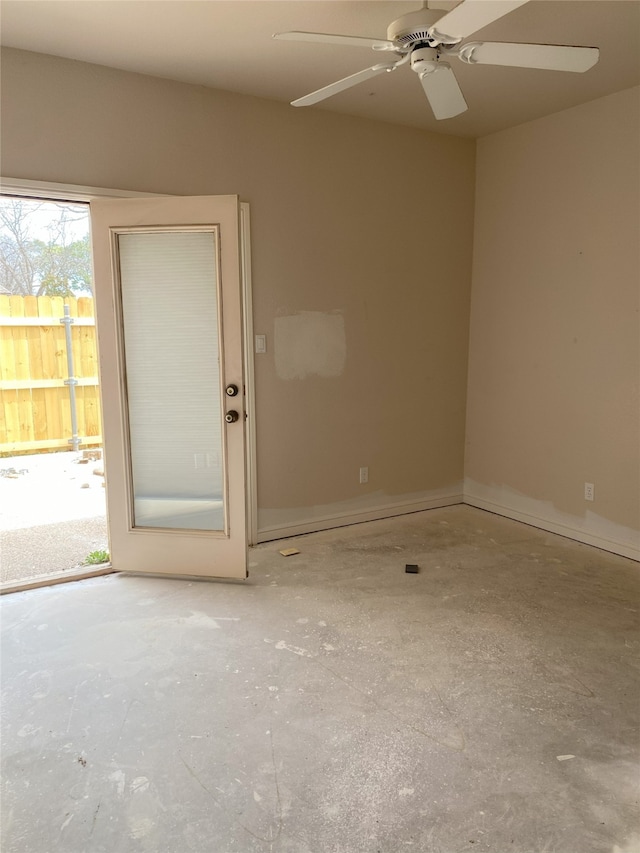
(333, 703)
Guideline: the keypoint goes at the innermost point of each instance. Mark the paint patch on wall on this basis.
(309, 343)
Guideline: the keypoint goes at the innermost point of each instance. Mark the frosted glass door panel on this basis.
(170, 318)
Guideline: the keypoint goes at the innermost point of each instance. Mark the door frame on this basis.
(74, 192)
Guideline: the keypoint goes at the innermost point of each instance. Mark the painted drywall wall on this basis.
(366, 223)
(554, 345)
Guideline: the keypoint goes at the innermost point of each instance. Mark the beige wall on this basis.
(554, 344)
(366, 226)
(361, 250)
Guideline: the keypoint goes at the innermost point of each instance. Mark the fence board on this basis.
(8, 369)
(34, 401)
(40, 426)
(47, 345)
(3, 419)
(60, 347)
(18, 384)
(22, 368)
(7, 361)
(92, 420)
(47, 444)
(87, 334)
(12, 419)
(38, 410)
(52, 416)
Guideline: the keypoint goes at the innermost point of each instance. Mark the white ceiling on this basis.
(227, 44)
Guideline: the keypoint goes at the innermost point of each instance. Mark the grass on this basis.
(95, 558)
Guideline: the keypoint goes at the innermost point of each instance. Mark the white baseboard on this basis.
(554, 525)
(519, 508)
(344, 519)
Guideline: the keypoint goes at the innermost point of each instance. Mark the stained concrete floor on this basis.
(333, 703)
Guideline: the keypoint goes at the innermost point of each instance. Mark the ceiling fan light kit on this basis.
(428, 37)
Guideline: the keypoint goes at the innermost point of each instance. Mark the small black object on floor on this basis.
(411, 569)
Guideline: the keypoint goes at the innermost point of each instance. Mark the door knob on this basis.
(231, 390)
(231, 417)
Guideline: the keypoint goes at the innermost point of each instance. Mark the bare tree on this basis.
(17, 262)
(57, 266)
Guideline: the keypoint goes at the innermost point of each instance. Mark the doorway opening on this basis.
(53, 521)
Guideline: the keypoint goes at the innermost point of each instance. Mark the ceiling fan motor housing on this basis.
(413, 28)
(424, 60)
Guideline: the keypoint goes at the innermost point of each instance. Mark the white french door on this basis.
(169, 316)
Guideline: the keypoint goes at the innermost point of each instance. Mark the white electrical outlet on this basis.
(261, 343)
(364, 475)
(589, 491)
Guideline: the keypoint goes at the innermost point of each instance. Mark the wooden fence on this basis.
(35, 411)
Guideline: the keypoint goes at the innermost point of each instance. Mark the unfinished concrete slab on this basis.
(333, 703)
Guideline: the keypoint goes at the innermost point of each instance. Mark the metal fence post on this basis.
(67, 320)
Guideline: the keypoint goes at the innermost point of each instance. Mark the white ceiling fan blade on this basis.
(553, 57)
(470, 16)
(443, 92)
(341, 85)
(330, 38)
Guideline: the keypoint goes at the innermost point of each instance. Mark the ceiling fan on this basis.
(427, 38)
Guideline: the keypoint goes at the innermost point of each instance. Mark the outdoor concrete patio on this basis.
(52, 513)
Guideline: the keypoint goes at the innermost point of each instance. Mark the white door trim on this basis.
(74, 192)
(249, 373)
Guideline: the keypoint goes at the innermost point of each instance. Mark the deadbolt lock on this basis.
(231, 390)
